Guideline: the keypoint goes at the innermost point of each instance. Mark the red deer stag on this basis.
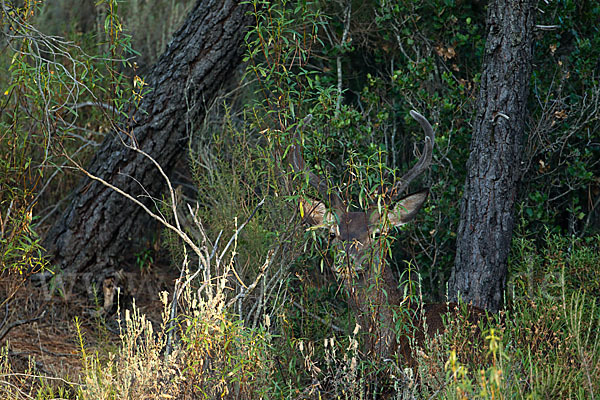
(358, 238)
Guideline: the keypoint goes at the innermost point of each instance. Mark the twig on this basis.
(197, 222)
(94, 104)
(347, 14)
(177, 229)
(169, 186)
(21, 322)
(7, 383)
(547, 27)
(173, 313)
(206, 263)
(54, 378)
(250, 288)
(52, 353)
(237, 232)
(216, 246)
(321, 320)
(5, 315)
(165, 223)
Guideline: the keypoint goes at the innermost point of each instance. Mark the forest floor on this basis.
(48, 329)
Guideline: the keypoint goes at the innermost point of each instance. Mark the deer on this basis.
(359, 241)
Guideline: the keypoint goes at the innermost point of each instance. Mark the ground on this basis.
(47, 343)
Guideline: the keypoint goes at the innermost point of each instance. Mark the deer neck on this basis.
(374, 298)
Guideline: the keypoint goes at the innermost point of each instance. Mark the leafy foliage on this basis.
(358, 68)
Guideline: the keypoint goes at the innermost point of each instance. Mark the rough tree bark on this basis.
(100, 227)
(487, 218)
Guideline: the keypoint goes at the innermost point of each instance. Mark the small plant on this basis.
(144, 260)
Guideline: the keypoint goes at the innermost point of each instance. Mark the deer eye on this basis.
(376, 234)
(331, 235)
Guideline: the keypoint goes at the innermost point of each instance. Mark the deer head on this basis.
(358, 238)
(357, 234)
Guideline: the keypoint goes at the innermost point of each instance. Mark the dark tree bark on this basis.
(487, 209)
(100, 227)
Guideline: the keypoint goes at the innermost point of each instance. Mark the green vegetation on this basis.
(265, 319)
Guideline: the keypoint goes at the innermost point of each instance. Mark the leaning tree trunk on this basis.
(486, 223)
(100, 227)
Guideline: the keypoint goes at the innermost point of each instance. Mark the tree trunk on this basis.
(486, 224)
(100, 227)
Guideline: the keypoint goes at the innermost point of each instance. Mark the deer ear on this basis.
(316, 213)
(407, 208)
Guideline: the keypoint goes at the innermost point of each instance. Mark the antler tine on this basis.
(297, 161)
(423, 162)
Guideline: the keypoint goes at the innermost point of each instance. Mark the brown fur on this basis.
(429, 321)
(358, 237)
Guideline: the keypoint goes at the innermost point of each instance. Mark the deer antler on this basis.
(422, 164)
(297, 161)
(333, 197)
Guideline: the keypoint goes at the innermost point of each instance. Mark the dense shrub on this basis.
(267, 319)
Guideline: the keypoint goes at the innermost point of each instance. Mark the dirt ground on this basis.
(38, 328)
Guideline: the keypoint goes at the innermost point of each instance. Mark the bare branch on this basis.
(21, 322)
(315, 316)
(164, 222)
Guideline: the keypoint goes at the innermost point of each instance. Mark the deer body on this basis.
(358, 238)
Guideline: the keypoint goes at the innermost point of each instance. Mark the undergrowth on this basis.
(266, 320)
(539, 347)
